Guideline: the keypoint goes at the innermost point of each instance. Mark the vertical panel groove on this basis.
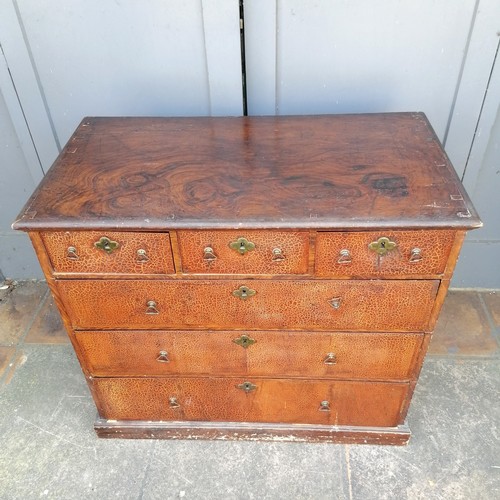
(38, 82)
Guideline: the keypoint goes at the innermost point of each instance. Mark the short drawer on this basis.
(244, 252)
(251, 400)
(383, 253)
(340, 305)
(382, 356)
(97, 252)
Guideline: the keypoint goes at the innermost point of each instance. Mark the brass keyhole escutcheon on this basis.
(244, 341)
(382, 246)
(247, 387)
(104, 243)
(242, 245)
(244, 292)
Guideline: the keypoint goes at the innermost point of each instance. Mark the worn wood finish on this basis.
(271, 400)
(421, 252)
(156, 338)
(334, 172)
(240, 431)
(75, 252)
(336, 355)
(292, 257)
(386, 305)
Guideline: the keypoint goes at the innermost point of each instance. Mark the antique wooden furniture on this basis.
(254, 278)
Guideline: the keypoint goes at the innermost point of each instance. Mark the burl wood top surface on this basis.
(329, 171)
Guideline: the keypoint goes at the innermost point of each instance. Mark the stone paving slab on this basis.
(455, 449)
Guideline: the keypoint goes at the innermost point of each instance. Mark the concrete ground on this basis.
(48, 448)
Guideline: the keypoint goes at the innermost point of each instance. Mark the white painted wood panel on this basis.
(345, 56)
(133, 58)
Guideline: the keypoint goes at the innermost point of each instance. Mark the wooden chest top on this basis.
(323, 172)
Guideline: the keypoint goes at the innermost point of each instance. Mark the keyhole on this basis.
(382, 244)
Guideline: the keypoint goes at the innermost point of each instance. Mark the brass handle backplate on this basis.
(344, 257)
(382, 246)
(244, 292)
(278, 255)
(142, 255)
(209, 254)
(324, 406)
(163, 357)
(335, 302)
(151, 307)
(415, 255)
(104, 243)
(244, 341)
(247, 387)
(330, 359)
(242, 245)
(71, 253)
(173, 403)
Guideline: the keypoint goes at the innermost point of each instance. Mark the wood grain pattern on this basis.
(89, 259)
(293, 259)
(273, 400)
(434, 246)
(383, 356)
(330, 171)
(383, 305)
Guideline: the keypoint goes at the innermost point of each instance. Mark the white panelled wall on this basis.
(64, 60)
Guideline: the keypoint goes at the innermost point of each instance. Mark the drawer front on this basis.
(296, 354)
(244, 252)
(341, 305)
(255, 400)
(88, 252)
(383, 253)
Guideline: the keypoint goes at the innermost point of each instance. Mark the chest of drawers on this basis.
(251, 278)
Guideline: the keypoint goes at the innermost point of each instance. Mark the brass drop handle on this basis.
(151, 307)
(247, 387)
(242, 245)
(415, 255)
(330, 359)
(278, 255)
(163, 357)
(244, 341)
(335, 302)
(324, 406)
(244, 292)
(209, 254)
(104, 243)
(344, 257)
(173, 403)
(71, 253)
(382, 246)
(142, 255)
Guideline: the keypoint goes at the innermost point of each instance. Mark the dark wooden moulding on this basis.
(168, 182)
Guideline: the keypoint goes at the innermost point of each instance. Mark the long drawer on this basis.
(339, 305)
(388, 356)
(260, 400)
